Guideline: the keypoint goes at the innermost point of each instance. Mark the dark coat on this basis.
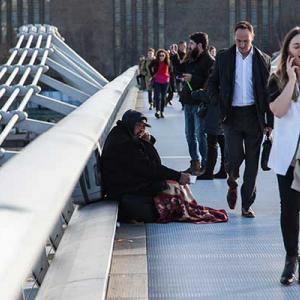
(273, 88)
(222, 79)
(130, 165)
(212, 124)
(200, 69)
(175, 61)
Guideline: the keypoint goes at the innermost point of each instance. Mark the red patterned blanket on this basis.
(178, 204)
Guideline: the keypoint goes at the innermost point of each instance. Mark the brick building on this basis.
(111, 34)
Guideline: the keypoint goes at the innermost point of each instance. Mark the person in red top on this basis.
(159, 69)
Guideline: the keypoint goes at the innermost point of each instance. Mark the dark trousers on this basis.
(160, 91)
(243, 137)
(140, 79)
(150, 97)
(221, 142)
(171, 88)
(289, 218)
(212, 151)
(139, 208)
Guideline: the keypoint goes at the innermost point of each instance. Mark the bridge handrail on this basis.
(45, 174)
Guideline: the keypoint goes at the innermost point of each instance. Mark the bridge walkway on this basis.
(241, 259)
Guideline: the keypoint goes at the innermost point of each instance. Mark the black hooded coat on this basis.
(130, 165)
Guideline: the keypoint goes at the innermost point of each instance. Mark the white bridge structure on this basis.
(37, 183)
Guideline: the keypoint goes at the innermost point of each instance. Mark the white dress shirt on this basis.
(243, 86)
(285, 139)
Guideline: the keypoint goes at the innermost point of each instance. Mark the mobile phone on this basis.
(193, 179)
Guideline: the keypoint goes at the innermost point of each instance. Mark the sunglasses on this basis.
(161, 55)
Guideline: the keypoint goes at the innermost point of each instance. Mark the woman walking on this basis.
(160, 72)
(150, 57)
(285, 105)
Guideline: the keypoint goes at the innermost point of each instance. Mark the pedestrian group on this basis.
(230, 98)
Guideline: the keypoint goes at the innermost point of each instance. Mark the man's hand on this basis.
(184, 178)
(187, 76)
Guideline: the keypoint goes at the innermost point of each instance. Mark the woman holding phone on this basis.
(284, 99)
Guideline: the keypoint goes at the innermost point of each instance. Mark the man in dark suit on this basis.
(238, 83)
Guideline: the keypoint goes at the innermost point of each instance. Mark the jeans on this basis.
(289, 218)
(194, 132)
(160, 92)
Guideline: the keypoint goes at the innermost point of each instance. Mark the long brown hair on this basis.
(167, 58)
(281, 73)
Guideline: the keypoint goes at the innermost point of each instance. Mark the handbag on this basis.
(266, 149)
(202, 97)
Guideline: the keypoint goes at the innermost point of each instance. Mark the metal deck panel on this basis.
(241, 259)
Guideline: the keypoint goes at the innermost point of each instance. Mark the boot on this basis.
(194, 168)
(212, 153)
(288, 274)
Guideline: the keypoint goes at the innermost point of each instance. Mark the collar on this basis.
(248, 56)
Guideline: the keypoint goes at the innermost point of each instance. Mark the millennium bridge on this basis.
(54, 246)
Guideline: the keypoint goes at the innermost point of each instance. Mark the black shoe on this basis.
(162, 115)
(221, 174)
(232, 197)
(157, 115)
(151, 106)
(248, 213)
(205, 176)
(288, 275)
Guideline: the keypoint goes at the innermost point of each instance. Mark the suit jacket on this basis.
(222, 79)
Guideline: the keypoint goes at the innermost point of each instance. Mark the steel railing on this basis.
(36, 184)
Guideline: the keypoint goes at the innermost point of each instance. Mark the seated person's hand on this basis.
(146, 136)
(184, 178)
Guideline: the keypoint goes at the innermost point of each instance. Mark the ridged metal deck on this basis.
(241, 259)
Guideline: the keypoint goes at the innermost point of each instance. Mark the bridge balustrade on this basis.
(37, 183)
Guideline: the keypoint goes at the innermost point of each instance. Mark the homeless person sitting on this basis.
(147, 191)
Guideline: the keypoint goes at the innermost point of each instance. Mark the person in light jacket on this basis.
(285, 105)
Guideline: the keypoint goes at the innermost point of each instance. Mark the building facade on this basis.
(111, 34)
(15, 13)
